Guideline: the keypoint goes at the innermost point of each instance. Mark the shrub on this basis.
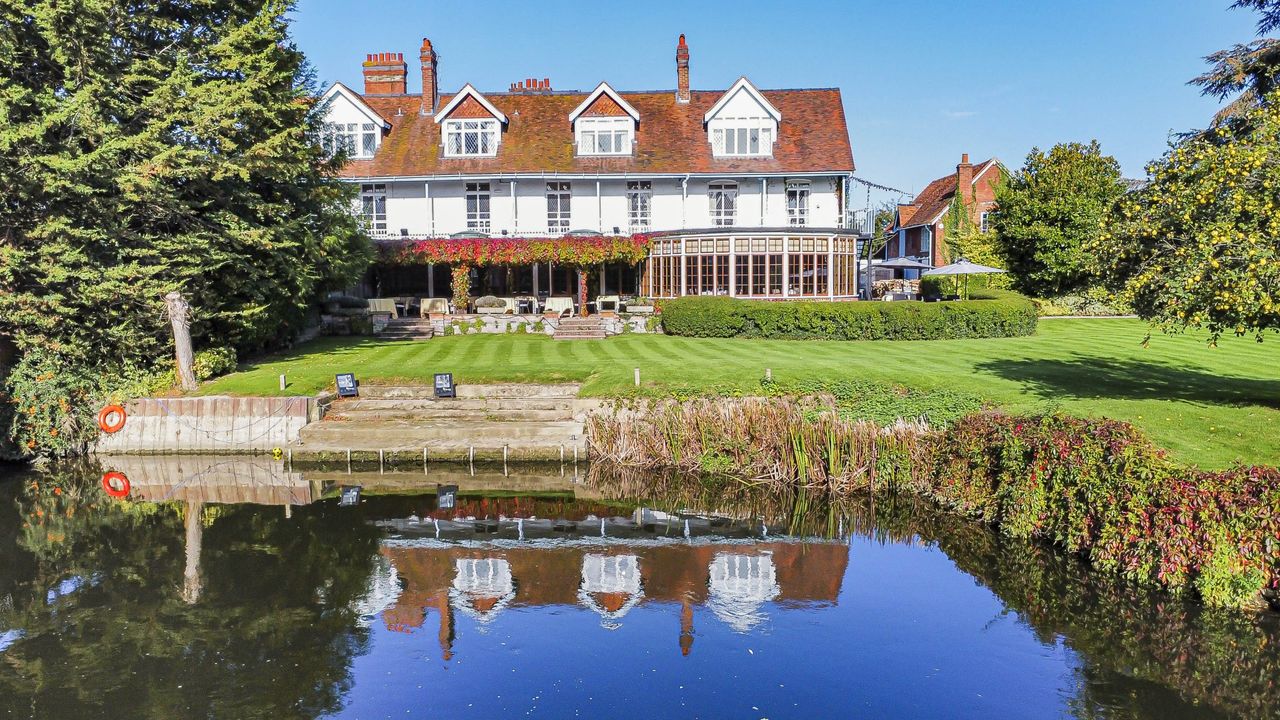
(1101, 489)
(52, 400)
(213, 362)
(489, 301)
(990, 313)
(347, 302)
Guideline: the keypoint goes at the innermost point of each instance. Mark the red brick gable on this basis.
(604, 106)
(937, 196)
(671, 138)
(470, 108)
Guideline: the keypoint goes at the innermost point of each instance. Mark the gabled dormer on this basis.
(604, 123)
(470, 126)
(350, 124)
(742, 123)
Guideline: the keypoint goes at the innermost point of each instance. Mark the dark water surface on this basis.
(225, 588)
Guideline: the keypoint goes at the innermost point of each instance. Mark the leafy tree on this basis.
(964, 238)
(1049, 210)
(154, 146)
(1248, 71)
(1199, 246)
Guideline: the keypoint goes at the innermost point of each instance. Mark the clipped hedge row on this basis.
(990, 313)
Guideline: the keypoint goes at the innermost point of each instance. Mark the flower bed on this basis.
(991, 313)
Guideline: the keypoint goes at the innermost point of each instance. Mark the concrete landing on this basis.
(486, 422)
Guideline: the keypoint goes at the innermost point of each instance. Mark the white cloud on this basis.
(959, 114)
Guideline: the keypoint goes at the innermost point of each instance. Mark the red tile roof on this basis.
(934, 199)
(671, 137)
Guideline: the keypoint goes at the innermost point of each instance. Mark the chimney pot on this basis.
(385, 74)
(964, 159)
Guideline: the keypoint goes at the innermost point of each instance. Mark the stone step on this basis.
(443, 440)
(445, 412)
(476, 405)
(494, 390)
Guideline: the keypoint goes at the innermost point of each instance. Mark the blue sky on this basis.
(922, 81)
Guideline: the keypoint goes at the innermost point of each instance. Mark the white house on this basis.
(740, 192)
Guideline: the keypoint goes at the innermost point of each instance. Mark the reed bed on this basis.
(771, 443)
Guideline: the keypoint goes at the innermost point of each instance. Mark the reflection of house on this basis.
(734, 580)
(740, 585)
(482, 587)
(610, 586)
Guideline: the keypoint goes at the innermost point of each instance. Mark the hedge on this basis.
(990, 313)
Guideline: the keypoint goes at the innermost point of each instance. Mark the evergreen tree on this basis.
(153, 146)
(1247, 72)
(1049, 210)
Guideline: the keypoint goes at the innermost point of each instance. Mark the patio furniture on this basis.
(433, 306)
(963, 267)
(608, 303)
(526, 304)
(560, 306)
(513, 305)
(383, 305)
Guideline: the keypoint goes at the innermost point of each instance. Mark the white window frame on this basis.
(486, 134)
(373, 207)
(799, 198)
(605, 135)
(743, 137)
(479, 212)
(984, 222)
(722, 198)
(358, 140)
(559, 207)
(639, 206)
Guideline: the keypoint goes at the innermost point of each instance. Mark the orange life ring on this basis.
(116, 484)
(111, 418)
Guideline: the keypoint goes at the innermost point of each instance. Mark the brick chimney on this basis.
(430, 78)
(964, 176)
(682, 71)
(384, 74)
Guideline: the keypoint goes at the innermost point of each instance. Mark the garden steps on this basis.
(512, 421)
(407, 329)
(580, 328)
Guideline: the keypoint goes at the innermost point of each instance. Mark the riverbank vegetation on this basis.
(124, 181)
(987, 314)
(1097, 489)
(1204, 404)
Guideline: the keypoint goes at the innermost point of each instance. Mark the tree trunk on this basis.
(178, 308)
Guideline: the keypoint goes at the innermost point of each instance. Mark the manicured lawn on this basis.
(1208, 405)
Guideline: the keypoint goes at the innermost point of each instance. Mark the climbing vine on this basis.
(576, 251)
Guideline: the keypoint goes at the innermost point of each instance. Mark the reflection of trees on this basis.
(1137, 646)
(272, 634)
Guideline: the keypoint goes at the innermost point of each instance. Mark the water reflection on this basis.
(229, 588)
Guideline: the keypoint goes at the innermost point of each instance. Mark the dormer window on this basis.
(742, 123)
(357, 140)
(751, 137)
(605, 135)
(471, 138)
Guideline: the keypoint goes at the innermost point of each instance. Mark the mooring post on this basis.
(504, 454)
(424, 461)
(289, 458)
